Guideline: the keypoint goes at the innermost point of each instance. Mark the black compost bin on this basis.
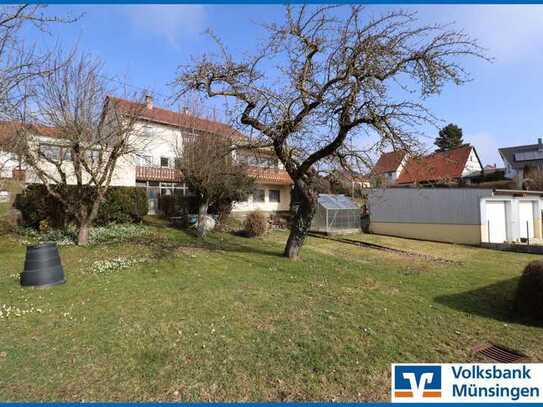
(42, 266)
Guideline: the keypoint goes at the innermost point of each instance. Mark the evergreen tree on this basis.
(449, 137)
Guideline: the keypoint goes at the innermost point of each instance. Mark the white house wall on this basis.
(473, 165)
(266, 206)
(157, 140)
(123, 175)
(7, 164)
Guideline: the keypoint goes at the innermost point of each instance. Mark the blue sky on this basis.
(144, 45)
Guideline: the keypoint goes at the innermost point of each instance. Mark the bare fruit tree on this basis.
(20, 61)
(329, 74)
(75, 136)
(211, 173)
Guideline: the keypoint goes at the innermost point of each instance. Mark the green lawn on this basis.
(229, 319)
(4, 207)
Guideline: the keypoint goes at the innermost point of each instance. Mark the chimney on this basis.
(149, 102)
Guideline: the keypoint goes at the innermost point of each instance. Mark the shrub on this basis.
(177, 205)
(256, 224)
(121, 205)
(529, 296)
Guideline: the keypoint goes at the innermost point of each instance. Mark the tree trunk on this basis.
(202, 212)
(83, 237)
(301, 222)
(85, 222)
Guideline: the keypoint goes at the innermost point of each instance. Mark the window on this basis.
(50, 152)
(275, 195)
(164, 162)
(259, 195)
(144, 160)
(147, 131)
(93, 156)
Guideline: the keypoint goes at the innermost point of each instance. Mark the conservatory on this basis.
(336, 214)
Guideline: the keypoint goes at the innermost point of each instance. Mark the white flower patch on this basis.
(113, 265)
(12, 311)
(97, 235)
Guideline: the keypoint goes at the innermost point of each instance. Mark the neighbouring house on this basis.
(457, 215)
(388, 168)
(160, 134)
(342, 181)
(520, 160)
(444, 167)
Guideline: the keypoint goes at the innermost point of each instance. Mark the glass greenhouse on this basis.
(336, 214)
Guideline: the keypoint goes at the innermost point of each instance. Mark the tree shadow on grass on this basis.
(162, 247)
(495, 301)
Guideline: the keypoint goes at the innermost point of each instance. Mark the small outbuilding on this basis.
(336, 214)
(457, 215)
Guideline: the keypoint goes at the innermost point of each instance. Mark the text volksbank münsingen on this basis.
(494, 389)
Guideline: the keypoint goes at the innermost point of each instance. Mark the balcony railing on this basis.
(158, 174)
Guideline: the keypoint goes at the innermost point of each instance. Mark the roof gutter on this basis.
(516, 192)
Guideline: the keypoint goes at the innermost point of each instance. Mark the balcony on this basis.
(163, 174)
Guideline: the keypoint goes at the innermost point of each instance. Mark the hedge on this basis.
(177, 205)
(122, 205)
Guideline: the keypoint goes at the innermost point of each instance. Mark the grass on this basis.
(4, 207)
(229, 319)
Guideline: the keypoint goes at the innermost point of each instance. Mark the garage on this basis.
(526, 216)
(457, 215)
(496, 221)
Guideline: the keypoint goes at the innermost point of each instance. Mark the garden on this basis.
(151, 312)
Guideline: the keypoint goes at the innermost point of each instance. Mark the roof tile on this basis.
(438, 166)
(388, 162)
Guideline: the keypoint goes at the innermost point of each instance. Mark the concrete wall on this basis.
(457, 206)
(456, 215)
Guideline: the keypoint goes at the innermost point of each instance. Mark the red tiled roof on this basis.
(8, 131)
(269, 176)
(388, 162)
(178, 119)
(439, 166)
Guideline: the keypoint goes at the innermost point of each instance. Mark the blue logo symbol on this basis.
(417, 381)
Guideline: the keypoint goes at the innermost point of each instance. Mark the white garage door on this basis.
(526, 217)
(495, 215)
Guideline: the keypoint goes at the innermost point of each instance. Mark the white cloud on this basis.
(507, 31)
(171, 22)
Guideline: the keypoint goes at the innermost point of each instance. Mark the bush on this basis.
(529, 296)
(121, 205)
(256, 224)
(177, 205)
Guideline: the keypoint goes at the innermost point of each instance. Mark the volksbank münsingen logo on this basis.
(417, 381)
(468, 382)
